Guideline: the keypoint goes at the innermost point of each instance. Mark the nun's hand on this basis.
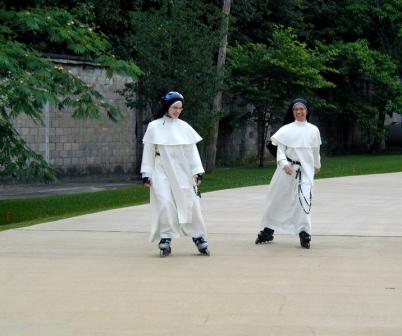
(197, 179)
(288, 169)
(316, 170)
(147, 182)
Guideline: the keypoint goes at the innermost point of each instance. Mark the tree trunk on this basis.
(378, 144)
(139, 131)
(261, 145)
(262, 127)
(212, 141)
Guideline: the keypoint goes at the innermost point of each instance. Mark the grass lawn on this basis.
(30, 211)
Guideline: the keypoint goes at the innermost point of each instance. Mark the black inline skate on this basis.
(265, 236)
(202, 245)
(305, 239)
(164, 246)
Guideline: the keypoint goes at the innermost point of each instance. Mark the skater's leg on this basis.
(197, 227)
(164, 212)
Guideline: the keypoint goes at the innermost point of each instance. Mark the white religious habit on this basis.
(287, 208)
(171, 160)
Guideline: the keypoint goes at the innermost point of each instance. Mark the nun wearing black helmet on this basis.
(172, 168)
(288, 205)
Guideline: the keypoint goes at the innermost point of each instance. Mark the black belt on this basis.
(300, 193)
(293, 162)
(157, 154)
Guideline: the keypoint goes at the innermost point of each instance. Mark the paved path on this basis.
(98, 275)
(11, 191)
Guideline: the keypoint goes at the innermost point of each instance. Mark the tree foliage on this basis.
(367, 86)
(364, 38)
(361, 39)
(28, 80)
(175, 46)
(267, 77)
(278, 50)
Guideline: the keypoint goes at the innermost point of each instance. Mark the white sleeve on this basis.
(148, 160)
(281, 156)
(317, 158)
(194, 159)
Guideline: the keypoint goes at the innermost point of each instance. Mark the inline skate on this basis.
(265, 236)
(202, 245)
(164, 247)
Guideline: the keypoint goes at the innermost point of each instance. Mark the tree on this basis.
(28, 81)
(368, 86)
(212, 140)
(175, 46)
(269, 77)
(365, 38)
(254, 20)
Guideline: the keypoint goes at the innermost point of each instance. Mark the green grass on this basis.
(30, 211)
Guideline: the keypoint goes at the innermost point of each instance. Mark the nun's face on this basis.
(299, 112)
(175, 109)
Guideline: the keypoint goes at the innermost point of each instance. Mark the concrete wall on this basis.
(238, 142)
(394, 129)
(238, 138)
(85, 147)
(238, 145)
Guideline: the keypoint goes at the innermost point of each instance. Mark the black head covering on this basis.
(289, 115)
(168, 100)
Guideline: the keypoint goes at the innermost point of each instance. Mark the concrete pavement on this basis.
(98, 275)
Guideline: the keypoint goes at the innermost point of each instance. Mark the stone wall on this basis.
(394, 130)
(238, 139)
(237, 145)
(85, 147)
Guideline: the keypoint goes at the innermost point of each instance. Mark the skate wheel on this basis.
(205, 252)
(164, 253)
(305, 245)
(259, 241)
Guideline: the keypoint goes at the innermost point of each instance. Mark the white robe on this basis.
(299, 141)
(171, 159)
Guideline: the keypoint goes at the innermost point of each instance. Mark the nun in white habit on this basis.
(172, 168)
(288, 205)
